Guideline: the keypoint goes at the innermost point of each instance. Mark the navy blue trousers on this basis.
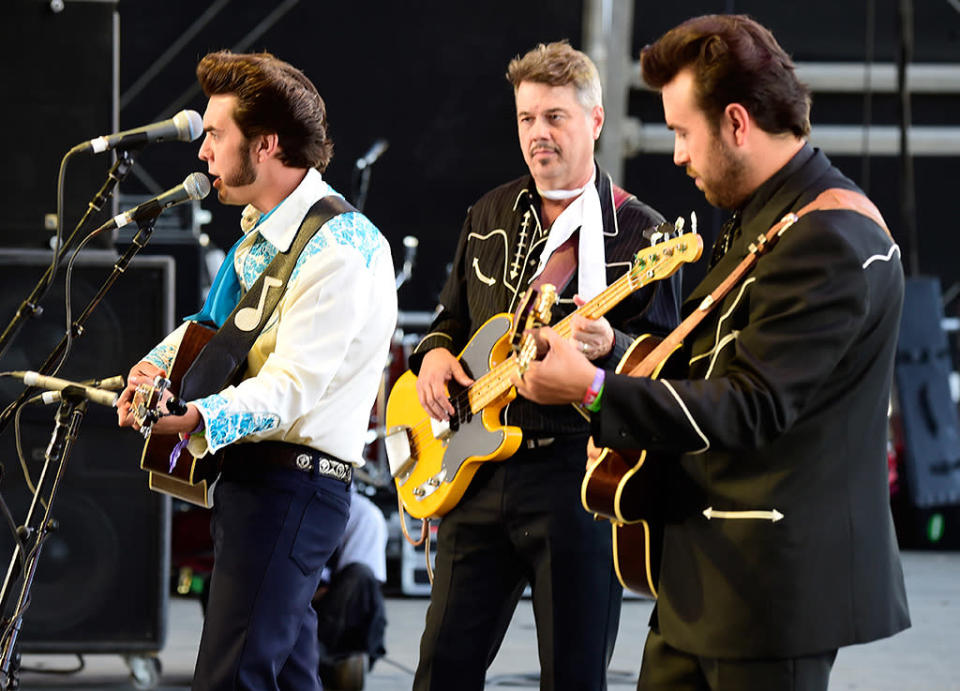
(273, 530)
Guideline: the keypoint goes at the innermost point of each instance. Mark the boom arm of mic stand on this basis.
(31, 306)
(139, 242)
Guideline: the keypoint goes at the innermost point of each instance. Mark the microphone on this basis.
(114, 383)
(185, 126)
(410, 244)
(55, 385)
(195, 186)
(376, 151)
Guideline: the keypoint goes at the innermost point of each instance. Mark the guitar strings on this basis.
(494, 379)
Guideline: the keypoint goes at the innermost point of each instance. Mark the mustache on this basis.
(536, 147)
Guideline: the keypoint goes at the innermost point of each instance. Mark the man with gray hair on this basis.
(520, 521)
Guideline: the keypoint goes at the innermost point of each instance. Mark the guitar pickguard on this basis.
(445, 459)
(473, 438)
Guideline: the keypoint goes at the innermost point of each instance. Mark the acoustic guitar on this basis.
(190, 479)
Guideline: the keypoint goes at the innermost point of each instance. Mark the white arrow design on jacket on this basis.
(774, 515)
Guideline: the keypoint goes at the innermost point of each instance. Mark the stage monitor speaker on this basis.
(103, 576)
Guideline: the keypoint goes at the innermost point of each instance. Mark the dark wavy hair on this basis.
(272, 97)
(734, 60)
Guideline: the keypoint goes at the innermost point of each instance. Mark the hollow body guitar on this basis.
(627, 487)
(433, 463)
(190, 479)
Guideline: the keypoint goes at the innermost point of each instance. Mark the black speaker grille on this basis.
(101, 582)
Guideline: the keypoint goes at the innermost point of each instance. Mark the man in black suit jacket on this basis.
(780, 545)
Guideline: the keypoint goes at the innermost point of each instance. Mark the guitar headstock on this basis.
(538, 311)
(145, 405)
(670, 248)
(535, 310)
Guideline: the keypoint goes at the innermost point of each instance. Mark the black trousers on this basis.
(521, 521)
(351, 616)
(664, 668)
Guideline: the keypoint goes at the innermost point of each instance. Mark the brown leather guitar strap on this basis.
(830, 199)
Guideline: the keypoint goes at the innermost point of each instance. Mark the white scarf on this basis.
(583, 213)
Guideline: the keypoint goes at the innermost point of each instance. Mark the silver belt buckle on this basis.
(304, 462)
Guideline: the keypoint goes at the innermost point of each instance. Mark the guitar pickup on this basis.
(399, 454)
(440, 429)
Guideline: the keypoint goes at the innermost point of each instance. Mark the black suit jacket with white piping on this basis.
(783, 409)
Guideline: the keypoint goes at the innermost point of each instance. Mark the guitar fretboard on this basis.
(497, 382)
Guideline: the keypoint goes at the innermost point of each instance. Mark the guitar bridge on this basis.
(430, 486)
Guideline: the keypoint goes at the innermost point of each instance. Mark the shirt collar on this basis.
(758, 200)
(280, 226)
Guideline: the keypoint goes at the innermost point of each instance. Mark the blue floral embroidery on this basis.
(351, 230)
(356, 230)
(224, 428)
(259, 257)
(162, 356)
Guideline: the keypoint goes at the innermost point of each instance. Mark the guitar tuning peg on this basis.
(678, 224)
(693, 221)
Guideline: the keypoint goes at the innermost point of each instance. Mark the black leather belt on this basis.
(286, 455)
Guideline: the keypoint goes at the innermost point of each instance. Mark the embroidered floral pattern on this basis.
(224, 427)
(259, 257)
(351, 230)
(162, 356)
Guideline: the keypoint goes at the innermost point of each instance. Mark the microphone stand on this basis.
(139, 241)
(31, 306)
(32, 534)
(362, 172)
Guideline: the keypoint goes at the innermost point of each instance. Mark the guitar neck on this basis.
(601, 304)
(764, 242)
(663, 261)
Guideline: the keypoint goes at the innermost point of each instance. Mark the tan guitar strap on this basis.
(839, 198)
(830, 199)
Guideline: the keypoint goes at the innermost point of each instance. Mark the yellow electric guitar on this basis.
(433, 463)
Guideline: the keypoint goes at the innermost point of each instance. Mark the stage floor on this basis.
(924, 657)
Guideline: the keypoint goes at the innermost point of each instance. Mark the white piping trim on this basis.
(693, 423)
(883, 257)
(506, 253)
(616, 224)
(729, 338)
(716, 338)
(431, 335)
(489, 280)
(519, 196)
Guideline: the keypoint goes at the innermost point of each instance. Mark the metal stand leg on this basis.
(33, 532)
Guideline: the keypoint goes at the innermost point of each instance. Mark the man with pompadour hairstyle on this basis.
(289, 426)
